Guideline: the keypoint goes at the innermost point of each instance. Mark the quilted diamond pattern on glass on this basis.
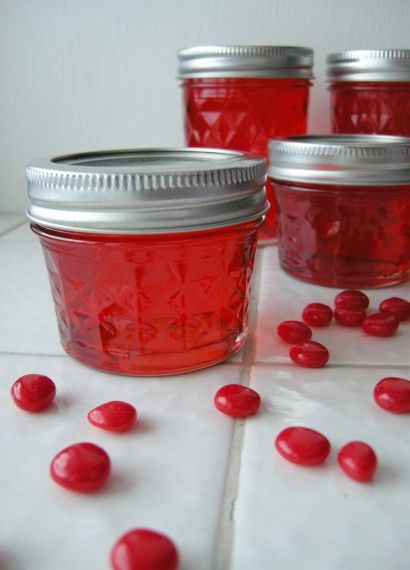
(243, 114)
(152, 304)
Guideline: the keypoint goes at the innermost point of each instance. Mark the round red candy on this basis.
(33, 392)
(349, 317)
(352, 299)
(393, 394)
(309, 354)
(294, 331)
(82, 467)
(113, 416)
(144, 549)
(317, 315)
(237, 401)
(400, 308)
(381, 324)
(358, 461)
(303, 446)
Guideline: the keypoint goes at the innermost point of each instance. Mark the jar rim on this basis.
(369, 65)
(347, 160)
(146, 190)
(245, 61)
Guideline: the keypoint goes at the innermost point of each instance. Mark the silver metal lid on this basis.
(369, 65)
(349, 160)
(146, 190)
(245, 61)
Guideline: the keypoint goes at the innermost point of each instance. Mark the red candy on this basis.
(309, 354)
(393, 394)
(33, 392)
(400, 308)
(352, 299)
(144, 549)
(381, 324)
(113, 416)
(358, 461)
(82, 467)
(237, 401)
(303, 446)
(294, 331)
(349, 317)
(317, 315)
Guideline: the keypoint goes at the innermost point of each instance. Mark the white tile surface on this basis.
(8, 221)
(284, 298)
(290, 517)
(26, 305)
(20, 233)
(168, 473)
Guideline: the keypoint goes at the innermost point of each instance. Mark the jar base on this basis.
(341, 282)
(125, 368)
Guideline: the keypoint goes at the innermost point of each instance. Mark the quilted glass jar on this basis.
(149, 253)
(239, 97)
(370, 91)
(344, 206)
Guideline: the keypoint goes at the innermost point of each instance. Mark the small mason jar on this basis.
(239, 97)
(149, 253)
(344, 204)
(370, 91)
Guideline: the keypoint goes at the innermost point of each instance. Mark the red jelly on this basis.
(370, 91)
(144, 549)
(238, 97)
(237, 401)
(344, 208)
(381, 324)
(113, 416)
(358, 461)
(154, 277)
(349, 317)
(303, 446)
(317, 315)
(393, 394)
(82, 467)
(352, 299)
(309, 354)
(33, 392)
(400, 308)
(294, 331)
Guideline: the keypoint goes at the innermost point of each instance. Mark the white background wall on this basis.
(91, 74)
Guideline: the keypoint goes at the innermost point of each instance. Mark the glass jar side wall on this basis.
(345, 236)
(151, 304)
(243, 114)
(375, 107)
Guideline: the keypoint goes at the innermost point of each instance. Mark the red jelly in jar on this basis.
(370, 91)
(239, 97)
(149, 253)
(344, 206)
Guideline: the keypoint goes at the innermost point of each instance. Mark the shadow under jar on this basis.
(239, 97)
(370, 91)
(149, 253)
(344, 206)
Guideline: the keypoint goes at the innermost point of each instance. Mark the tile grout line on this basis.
(12, 228)
(36, 354)
(225, 532)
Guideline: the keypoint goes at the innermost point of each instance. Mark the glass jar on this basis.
(344, 206)
(370, 91)
(239, 97)
(149, 253)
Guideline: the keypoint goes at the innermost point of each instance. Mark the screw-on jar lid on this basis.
(146, 190)
(348, 160)
(369, 65)
(245, 61)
